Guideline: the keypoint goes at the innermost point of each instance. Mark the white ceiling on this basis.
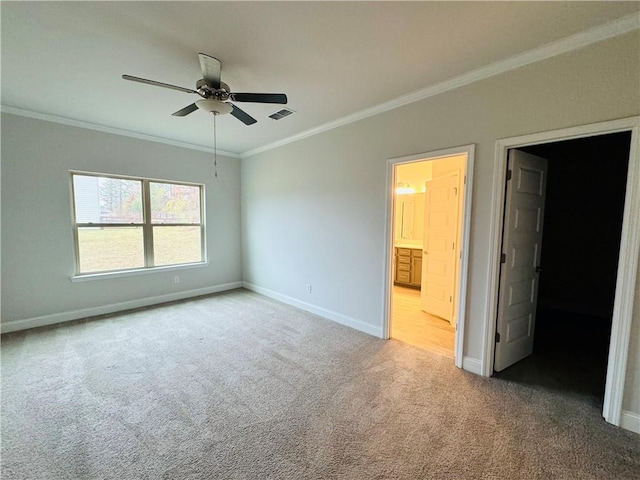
(331, 58)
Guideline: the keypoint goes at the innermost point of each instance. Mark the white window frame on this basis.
(147, 228)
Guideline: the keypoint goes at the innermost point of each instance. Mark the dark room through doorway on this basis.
(582, 227)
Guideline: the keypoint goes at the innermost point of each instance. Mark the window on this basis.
(123, 223)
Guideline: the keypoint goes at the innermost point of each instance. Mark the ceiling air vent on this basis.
(285, 112)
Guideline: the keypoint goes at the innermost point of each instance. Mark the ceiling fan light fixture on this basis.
(214, 106)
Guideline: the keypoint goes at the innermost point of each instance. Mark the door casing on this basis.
(461, 279)
(627, 262)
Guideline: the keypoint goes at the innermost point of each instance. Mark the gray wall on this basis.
(313, 211)
(37, 242)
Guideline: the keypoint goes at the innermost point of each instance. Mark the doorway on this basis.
(627, 258)
(572, 281)
(427, 229)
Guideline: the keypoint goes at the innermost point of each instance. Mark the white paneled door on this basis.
(440, 242)
(520, 262)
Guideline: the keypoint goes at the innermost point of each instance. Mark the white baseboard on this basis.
(323, 312)
(54, 318)
(472, 365)
(630, 421)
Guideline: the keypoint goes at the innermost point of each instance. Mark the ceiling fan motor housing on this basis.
(207, 91)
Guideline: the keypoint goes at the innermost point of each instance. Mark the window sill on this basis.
(138, 271)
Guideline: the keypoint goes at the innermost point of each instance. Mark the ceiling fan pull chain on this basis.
(215, 147)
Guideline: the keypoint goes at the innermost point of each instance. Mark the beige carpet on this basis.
(237, 386)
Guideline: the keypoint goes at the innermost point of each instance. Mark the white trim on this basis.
(463, 270)
(625, 287)
(472, 365)
(322, 312)
(387, 265)
(15, 325)
(630, 421)
(137, 271)
(573, 42)
(627, 262)
(461, 287)
(114, 131)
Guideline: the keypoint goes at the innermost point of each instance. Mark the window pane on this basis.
(110, 248)
(173, 245)
(107, 200)
(171, 203)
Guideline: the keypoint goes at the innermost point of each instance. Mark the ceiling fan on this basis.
(216, 95)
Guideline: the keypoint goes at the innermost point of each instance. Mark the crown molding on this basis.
(115, 131)
(568, 44)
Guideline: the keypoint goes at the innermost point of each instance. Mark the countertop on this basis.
(407, 245)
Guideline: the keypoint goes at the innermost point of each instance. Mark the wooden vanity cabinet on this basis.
(408, 267)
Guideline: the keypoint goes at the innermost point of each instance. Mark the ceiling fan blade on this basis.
(186, 110)
(243, 116)
(210, 69)
(158, 84)
(259, 97)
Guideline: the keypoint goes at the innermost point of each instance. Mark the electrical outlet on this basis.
(309, 289)
(176, 279)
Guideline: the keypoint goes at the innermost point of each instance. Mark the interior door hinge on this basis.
(450, 299)
(503, 258)
(497, 337)
(509, 175)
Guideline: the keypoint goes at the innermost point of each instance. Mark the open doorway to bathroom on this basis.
(427, 249)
